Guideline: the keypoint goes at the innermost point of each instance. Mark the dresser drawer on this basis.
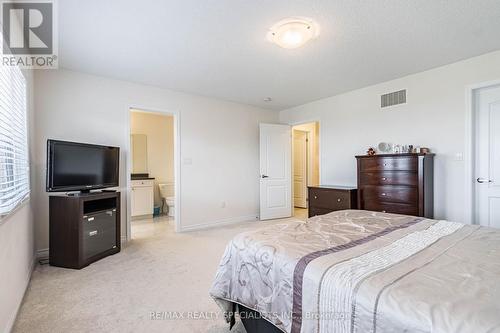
(391, 207)
(399, 194)
(98, 233)
(329, 199)
(389, 178)
(388, 164)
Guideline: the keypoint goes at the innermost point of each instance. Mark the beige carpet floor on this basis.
(158, 271)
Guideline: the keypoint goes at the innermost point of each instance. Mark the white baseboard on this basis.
(42, 253)
(220, 223)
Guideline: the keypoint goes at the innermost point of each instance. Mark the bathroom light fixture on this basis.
(293, 32)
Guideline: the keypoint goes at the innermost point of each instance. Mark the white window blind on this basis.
(14, 162)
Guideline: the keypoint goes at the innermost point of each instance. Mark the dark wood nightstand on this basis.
(324, 199)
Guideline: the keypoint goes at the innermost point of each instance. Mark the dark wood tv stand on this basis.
(83, 228)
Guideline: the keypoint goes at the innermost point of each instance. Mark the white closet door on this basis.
(488, 157)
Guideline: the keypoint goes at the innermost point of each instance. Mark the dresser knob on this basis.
(383, 178)
(315, 197)
(383, 194)
(339, 200)
(385, 164)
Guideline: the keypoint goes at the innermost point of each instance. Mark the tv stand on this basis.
(83, 228)
(79, 194)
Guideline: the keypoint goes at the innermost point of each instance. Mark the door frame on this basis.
(177, 163)
(470, 148)
(302, 122)
(306, 178)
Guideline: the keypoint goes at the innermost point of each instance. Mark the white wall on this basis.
(17, 257)
(434, 117)
(219, 138)
(159, 130)
(17, 246)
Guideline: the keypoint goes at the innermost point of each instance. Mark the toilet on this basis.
(171, 206)
(167, 197)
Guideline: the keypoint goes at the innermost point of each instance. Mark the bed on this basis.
(362, 271)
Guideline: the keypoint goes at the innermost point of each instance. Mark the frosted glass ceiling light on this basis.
(293, 32)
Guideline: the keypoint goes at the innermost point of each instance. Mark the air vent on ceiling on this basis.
(394, 98)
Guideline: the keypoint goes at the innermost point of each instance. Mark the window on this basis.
(14, 162)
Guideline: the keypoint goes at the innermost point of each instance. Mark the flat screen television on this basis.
(73, 166)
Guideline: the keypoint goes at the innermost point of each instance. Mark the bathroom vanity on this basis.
(142, 196)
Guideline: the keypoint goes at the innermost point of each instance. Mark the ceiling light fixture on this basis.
(293, 32)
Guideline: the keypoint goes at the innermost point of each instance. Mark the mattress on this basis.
(361, 271)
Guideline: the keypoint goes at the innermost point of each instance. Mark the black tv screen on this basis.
(75, 166)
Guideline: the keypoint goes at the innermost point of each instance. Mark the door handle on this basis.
(482, 180)
(264, 176)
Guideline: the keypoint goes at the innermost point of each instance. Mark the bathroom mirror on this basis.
(139, 144)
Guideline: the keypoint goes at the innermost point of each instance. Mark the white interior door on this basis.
(488, 156)
(275, 171)
(300, 168)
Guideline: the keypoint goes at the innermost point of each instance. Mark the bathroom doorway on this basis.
(305, 165)
(152, 174)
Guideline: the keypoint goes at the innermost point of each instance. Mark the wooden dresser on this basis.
(326, 199)
(396, 183)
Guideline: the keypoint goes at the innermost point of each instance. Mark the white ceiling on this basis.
(218, 48)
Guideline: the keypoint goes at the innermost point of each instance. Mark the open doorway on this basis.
(305, 162)
(152, 176)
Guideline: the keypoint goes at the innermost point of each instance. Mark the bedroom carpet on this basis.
(159, 271)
